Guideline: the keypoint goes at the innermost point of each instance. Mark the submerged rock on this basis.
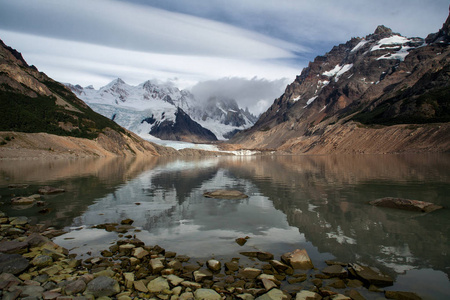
(225, 194)
(406, 204)
(401, 295)
(371, 276)
(47, 190)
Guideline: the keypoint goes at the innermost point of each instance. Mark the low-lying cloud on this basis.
(257, 93)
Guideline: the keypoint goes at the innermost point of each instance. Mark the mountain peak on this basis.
(383, 30)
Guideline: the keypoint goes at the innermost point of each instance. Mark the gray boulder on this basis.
(102, 286)
(13, 263)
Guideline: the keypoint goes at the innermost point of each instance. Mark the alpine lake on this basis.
(317, 203)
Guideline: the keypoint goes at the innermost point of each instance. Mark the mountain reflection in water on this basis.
(319, 203)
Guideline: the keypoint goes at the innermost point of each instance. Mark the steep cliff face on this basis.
(383, 79)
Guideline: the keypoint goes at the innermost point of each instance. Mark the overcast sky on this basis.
(250, 42)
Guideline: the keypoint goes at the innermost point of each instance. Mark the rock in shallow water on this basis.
(406, 204)
(298, 259)
(225, 194)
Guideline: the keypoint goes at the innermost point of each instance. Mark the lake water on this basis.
(319, 203)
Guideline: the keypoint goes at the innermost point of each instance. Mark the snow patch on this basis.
(359, 46)
(296, 98)
(310, 100)
(338, 71)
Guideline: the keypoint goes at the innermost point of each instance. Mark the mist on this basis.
(257, 93)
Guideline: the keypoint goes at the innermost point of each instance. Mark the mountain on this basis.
(166, 112)
(359, 97)
(41, 117)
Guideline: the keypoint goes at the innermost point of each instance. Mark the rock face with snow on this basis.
(382, 79)
(161, 110)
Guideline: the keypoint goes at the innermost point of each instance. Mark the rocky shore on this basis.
(34, 267)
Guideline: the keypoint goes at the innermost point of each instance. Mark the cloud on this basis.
(86, 64)
(139, 28)
(257, 93)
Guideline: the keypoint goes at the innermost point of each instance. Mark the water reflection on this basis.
(313, 202)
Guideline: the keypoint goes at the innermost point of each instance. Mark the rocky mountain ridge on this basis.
(153, 109)
(383, 79)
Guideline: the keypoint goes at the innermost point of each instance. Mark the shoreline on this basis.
(129, 269)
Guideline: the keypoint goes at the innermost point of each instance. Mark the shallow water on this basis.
(314, 202)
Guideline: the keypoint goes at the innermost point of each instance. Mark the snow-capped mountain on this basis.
(157, 110)
(382, 79)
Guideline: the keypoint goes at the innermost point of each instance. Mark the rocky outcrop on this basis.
(183, 128)
(375, 83)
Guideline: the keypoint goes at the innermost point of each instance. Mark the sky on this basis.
(207, 45)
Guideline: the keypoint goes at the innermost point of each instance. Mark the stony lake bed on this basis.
(149, 231)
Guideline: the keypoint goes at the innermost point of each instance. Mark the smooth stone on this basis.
(175, 280)
(158, 285)
(250, 273)
(190, 284)
(42, 261)
(206, 294)
(307, 295)
(274, 294)
(102, 286)
(140, 252)
(74, 287)
(225, 194)
(13, 263)
(140, 286)
(406, 204)
(129, 279)
(298, 259)
(11, 247)
(156, 265)
(202, 275)
(186, 296)
(214, 265)
(268, 284)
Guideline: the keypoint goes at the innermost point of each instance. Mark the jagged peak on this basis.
(381, 29)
